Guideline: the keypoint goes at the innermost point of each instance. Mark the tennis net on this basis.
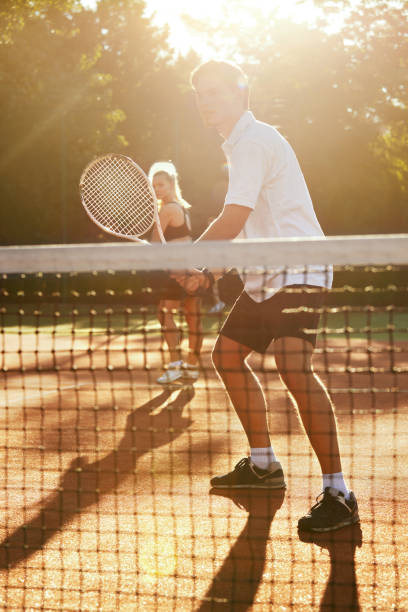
(106, 495)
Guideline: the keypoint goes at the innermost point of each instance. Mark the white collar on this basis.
(246, 119)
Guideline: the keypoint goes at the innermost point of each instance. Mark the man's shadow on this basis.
(84, 484)
(237, 581)
(341, 592)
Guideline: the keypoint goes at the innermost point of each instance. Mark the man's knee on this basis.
(217, 356)
(228, 355)
(293, 357)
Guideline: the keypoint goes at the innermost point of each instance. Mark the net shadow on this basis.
(83, 484)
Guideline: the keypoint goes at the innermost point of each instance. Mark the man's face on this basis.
(217, 101)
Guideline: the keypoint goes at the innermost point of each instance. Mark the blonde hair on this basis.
(169, 170)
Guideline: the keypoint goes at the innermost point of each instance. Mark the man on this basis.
(267, 197)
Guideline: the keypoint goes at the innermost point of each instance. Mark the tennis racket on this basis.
(119, 198)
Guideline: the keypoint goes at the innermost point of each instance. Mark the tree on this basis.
(76, 83)
(64, 69)
(340, 98)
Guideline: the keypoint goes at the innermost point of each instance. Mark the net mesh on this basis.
(118, 196)
(106, 495)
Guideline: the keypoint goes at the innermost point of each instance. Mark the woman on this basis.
(175, 224)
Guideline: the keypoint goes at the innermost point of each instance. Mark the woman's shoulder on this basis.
(172, 210)
(173, 207)
(182, 204)
(174, 204)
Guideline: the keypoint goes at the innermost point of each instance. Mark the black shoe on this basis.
(331, 511)
(247, 475)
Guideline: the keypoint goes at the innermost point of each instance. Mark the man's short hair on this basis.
(228, 72)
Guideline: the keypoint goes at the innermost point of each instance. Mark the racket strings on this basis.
(118, 197)
(118, 192)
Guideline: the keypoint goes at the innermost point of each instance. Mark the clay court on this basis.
(105, 491)
(160, 159)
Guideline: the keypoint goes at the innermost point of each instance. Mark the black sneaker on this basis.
(331, 511)
(246, 475)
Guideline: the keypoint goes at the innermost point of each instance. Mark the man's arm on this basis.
(228, 224)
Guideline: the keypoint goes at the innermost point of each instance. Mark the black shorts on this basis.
(160, 286)
(293, 311)
(172, 290)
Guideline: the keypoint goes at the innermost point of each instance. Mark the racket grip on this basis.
(210, 278)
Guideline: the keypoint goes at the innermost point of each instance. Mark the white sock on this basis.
(262, 457)
(336, 481)
(175, 364)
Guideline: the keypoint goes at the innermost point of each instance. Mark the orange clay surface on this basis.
(105, 497)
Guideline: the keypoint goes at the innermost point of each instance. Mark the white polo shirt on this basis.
(264, 174)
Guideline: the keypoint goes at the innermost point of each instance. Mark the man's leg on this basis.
(243, 388)
(337, 507)
(248, 400)
(293, 358)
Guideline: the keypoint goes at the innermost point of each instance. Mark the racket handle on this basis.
(209, 277)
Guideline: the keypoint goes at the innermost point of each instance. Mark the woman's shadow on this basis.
(237, 581)
(84, 484)
(341, 592)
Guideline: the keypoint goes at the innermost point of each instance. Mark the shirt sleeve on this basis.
(247, 167)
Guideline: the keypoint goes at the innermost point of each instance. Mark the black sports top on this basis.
(178, 231)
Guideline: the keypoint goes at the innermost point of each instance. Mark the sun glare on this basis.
(184, 38)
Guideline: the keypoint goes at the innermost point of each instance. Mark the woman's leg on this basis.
(195, 332)
(171, 332)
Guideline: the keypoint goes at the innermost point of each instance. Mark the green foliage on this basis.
(14, 14)
(339, 96)
(59, 93)
(75, 83)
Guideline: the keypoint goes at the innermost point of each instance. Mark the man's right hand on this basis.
(193, 281)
